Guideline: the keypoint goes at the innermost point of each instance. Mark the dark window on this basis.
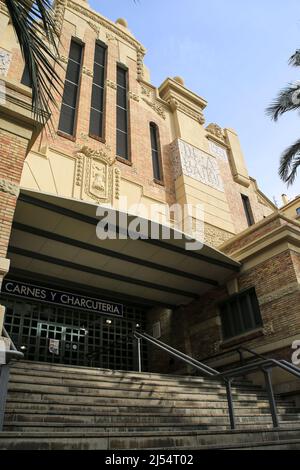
(97, 104)
(248, 210)
(71, 89)
(157, 173)
(25, 80)
(240, 314)
(122, 113)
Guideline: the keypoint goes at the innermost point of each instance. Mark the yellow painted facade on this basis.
(202, 164)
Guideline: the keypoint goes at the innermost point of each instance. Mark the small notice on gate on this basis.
(54, 346)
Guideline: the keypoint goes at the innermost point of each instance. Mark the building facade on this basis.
(114, 139)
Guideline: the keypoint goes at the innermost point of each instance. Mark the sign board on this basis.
(54, 346)
(62, 298)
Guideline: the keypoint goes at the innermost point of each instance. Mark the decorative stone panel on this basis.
(9, 187)
(96, 174)
(218, 151)
(5, 59)
(194, 163)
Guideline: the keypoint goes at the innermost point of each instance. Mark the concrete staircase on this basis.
(64, 407)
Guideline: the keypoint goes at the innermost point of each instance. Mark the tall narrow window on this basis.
(248, 210)
(122, 113)
(157, 173)
(71, 90)
(97, 105)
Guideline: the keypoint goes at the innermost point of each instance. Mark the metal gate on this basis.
(81, 338)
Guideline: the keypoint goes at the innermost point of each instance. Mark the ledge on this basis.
(227, 344)
(123, 160)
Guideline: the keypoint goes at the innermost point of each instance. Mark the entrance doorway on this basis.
(50, 333)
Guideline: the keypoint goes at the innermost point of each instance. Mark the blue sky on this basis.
(234, 54)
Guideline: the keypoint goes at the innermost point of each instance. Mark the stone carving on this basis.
(110, 37)
(134, 96)
(99, 174)
(94, 28)
(117, 182)
(218, 151)
(79, 169)
(5, 59)
(140, 63)
(87, 71)
(173, 103)
(192, 162)
(60, 6)
(111, 84)
(268, 329)
(63, 59)
(216, 130)
(177, 105)
(156, 107)
(146, 91)
(9, 187)
(99, 20)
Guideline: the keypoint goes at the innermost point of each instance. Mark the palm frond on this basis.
(289, 163)
(34, 25)
(288, 99)
(295, 59)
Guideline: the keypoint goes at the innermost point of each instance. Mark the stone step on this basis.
(219, 409)
(166, 394)
(12, 418)
(128, 387)
(148, 441)
(67, 370)
(137, 427)
(187, 382)
(293, 444)
(94, 381)
(49, 406)
(71, 399)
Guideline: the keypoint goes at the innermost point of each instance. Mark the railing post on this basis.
(139, 351)
(271, 396)
(230, 403)
(4, 378)
(241, 356)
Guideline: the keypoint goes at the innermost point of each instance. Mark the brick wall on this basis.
(12, 156)
(196, 329)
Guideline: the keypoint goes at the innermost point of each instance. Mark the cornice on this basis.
(100, 20)
(217, 141)
(291, 203)
(271, 218)
(172, 89)
(217, 135)
(284, 233)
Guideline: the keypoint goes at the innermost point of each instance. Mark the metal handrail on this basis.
(178, 354)
(10, 355)
(263, 365)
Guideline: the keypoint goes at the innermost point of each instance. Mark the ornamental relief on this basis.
(218, 151)
(97, 176)
(194, 163)
(5, 59)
